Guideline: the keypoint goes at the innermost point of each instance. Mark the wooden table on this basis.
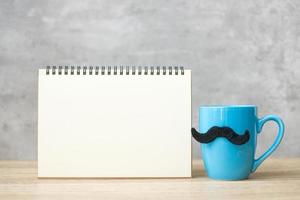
(275, 179)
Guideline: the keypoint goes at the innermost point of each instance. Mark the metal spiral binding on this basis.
(164, 70)
(115, 70)
(66, 70)
(151, 70)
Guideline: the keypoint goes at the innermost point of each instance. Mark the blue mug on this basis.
(228, 135)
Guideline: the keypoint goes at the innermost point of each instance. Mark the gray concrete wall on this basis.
(241, 52)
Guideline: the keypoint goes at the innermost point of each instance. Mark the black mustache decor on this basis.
(216, 132)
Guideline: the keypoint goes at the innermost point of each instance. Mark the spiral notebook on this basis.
(114, 122)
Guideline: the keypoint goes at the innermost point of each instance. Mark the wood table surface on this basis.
(275, 179)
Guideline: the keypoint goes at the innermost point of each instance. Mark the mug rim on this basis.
(229, 106)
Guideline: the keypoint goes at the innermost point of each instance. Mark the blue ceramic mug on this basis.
(228, 135)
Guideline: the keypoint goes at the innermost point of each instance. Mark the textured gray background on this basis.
(245, 52)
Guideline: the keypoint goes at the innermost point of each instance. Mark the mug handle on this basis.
(277, 141)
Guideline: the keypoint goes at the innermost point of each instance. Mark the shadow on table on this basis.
(264, 175)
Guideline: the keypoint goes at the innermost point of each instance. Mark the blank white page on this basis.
(114, 125)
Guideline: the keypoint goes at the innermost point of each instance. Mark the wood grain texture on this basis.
(275, 179)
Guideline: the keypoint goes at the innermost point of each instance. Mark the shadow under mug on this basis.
(223, 159)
